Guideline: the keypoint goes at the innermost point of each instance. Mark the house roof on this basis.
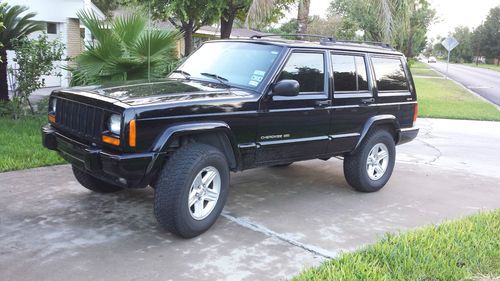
(235, 33)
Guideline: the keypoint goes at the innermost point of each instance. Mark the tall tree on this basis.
(464, 51)
(489, 35)
(17, 24)
(403, 23)
(303, 16)
(186, 15)
(232, 10)
(107, 6)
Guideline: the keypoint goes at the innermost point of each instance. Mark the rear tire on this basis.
(371, 166)
(191, 190)
(93, 183)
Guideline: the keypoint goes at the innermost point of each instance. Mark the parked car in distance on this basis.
(235, 105)
(431, 60)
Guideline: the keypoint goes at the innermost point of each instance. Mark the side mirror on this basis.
(287, 88)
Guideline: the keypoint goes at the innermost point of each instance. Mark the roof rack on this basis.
(374, 43)
(327, 40)
(322, 38)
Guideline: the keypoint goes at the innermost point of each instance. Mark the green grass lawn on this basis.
(487, 66)
(466, 249)
(421, 69)
(442, 98)
(21, 145)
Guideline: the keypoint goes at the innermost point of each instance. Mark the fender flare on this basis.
(164, 140)
(378, 120)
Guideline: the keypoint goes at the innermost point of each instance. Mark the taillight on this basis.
(415, 113)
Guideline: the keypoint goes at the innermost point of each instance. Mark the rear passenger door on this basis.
(352, 99)
(296, 128)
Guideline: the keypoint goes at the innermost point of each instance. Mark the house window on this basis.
(51, 28)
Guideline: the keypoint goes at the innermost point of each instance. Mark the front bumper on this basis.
(407, 135)
(126, 170)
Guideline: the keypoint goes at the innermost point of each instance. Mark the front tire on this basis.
(371, 166)
(93, 183)
(191, 190)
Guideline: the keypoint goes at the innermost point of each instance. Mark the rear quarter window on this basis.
(389, 74)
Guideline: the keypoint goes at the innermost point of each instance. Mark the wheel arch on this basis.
(216, 133)
(385, 120)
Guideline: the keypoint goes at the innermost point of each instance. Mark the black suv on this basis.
(235, 105)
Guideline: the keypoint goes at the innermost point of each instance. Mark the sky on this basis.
(451, 13)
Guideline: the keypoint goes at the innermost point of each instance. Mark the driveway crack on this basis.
(246, 223)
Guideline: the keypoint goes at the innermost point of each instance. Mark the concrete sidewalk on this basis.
(277, 221)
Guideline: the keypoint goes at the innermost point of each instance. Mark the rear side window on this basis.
(389, 74)
(308, 69)
(349, 73)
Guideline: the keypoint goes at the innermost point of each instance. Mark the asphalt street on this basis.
(277, 221)
(484, 82)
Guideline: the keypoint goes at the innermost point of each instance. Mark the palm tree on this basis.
(262, 9)
(303, 16)
(259, 10)
(124, 49)
(15, 27)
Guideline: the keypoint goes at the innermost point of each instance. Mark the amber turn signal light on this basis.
(132, 134)
(52, 118)
(111, 140)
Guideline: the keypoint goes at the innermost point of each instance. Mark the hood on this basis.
(171, 90)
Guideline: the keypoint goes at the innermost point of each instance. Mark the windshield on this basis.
(237, 63)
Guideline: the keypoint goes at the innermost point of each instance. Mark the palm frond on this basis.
(125, 49)
(129, 28)
(259, 11)
(17, 25)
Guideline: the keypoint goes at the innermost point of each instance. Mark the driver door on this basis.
(296, 128)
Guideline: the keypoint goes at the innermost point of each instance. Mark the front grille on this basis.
(82, 120)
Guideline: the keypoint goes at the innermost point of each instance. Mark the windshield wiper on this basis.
(221, 79)
(184, 73)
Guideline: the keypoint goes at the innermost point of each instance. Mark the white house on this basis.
(62, 24)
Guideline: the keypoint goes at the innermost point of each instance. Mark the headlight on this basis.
(53, 105)
(114, 124)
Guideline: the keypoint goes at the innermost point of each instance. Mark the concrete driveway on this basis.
(277, 221)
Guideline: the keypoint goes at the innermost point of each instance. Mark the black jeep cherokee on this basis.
(235, 105)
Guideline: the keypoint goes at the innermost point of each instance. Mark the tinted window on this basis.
(344, 73)
(349, 73)
(361, 74)
(390, 74)
(307, 69)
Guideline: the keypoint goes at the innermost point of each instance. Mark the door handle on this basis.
(323, 103)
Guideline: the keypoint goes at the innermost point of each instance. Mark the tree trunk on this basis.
(187, 27)
(409, 51)
(226, 23)
(4, 88)
(303, 16)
